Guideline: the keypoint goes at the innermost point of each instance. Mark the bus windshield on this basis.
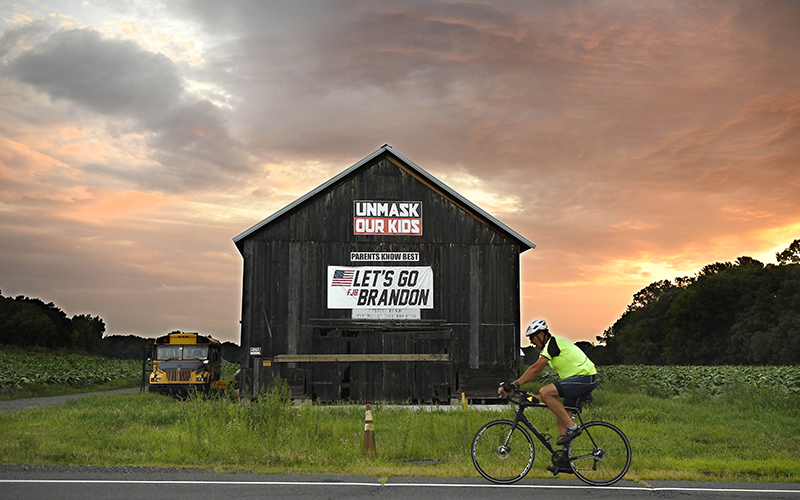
(181, 352)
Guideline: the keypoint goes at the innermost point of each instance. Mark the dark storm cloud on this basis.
(190, 144)
(599, 116)
(107, 76)
(353, 76)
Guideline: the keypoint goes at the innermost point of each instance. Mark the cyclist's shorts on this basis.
(571, 388)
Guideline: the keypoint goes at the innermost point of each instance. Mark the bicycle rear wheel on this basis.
(501, 458)
(601, 454)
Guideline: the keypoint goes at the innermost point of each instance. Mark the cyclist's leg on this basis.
(550, 396)
(571, 389)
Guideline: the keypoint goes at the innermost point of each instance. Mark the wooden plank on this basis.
(351, 358)
(293, 320)
(384, 325)
(474, 308)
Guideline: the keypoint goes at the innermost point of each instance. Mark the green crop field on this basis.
(668, 381)
(25, 375)
(17, 371)
(710, 380)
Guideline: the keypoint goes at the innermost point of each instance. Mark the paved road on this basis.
(141, 483)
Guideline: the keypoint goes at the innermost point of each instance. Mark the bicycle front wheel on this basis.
(500, 455)
(601, 454)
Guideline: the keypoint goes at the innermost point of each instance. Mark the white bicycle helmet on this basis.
(535, 327)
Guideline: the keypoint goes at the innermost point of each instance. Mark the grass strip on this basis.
(747, 435)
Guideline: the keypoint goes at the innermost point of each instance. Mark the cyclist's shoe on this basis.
(568, 436)
(560, 469)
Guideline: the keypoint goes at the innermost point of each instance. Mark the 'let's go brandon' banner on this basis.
(380, 287)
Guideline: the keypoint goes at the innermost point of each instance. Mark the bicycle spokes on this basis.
(601, 455)
(501, 452)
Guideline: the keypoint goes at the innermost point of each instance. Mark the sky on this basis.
(631, 141)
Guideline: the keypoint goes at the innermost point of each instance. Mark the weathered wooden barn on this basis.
(382, 284)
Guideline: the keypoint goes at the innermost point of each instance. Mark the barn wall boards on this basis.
(382, 284)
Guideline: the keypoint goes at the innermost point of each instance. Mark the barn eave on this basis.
(525, 244)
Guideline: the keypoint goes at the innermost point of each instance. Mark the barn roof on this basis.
(524, 242)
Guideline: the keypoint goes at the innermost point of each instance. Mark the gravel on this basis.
(21, 404)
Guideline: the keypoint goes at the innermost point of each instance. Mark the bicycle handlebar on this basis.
(530, 400)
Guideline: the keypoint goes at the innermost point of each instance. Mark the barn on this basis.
(382, 284)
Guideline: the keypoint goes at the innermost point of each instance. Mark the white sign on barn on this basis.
(380, 287)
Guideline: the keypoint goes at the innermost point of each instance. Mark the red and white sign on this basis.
(387, 217)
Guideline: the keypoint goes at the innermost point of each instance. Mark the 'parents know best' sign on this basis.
(380, 287)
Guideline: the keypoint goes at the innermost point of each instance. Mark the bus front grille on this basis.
(179, 376)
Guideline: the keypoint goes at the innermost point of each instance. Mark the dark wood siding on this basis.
(475, 320)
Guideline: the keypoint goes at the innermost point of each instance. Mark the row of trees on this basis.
(30, 322)
(739, 313)
(27, 322)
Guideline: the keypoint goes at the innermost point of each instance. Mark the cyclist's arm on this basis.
(533, 371)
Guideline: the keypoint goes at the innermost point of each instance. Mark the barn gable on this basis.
(402, 163)
(385, 215)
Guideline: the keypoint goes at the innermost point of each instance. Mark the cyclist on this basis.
(576, 372)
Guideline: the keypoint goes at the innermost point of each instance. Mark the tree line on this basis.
(729, 313)
(29, 322)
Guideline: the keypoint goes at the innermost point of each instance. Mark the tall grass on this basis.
(743, 433)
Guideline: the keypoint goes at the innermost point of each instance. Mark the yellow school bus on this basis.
(184, 363)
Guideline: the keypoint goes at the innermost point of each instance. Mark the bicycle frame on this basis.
(521, 418)
(504, 440)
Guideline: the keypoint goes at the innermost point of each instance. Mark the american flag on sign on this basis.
(343, 277)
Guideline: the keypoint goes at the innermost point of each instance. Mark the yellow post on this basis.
(464, 412)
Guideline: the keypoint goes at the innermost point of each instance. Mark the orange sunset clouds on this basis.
(631, 141)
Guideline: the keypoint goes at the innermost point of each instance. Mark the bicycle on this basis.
(503, 451)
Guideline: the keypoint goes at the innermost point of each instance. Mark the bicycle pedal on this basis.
(556, 470)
